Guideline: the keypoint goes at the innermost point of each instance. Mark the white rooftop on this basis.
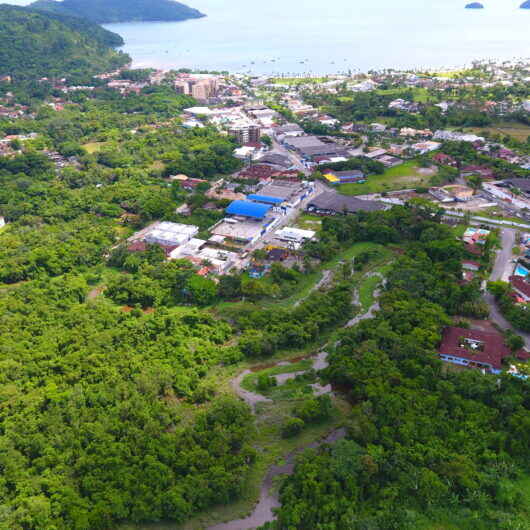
(295, 234)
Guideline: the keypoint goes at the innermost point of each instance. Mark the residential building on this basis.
(344, 177)
(245, 134)
(473, 349)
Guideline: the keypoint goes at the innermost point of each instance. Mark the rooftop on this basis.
(473, 345)
(248, 209)
(343, 203)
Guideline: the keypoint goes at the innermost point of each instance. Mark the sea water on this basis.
(315, 36)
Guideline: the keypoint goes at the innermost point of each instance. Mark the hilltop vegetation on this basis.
(106, 11)
(35, 44)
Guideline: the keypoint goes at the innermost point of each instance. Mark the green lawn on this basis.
(94, 147)
(516, 130)
(421, 95)
(407, 175)
(305, 286)
(309, 222)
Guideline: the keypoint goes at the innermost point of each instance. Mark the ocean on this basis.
(333, 36)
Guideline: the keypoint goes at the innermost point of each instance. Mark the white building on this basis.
(295, 235)
(170, 234)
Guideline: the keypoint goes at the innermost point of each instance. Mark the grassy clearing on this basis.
(516, 130)
(367, 290)
(309, 222)
(308, 282)
(459, 230)
(94, 147)
(407, 175)
(250, 381)
(420, 95)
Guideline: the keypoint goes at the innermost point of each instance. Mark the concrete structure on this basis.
(165, 234)
(241, 230)
(330, 203)
(245, 134)
(309, 147)
(191, 248)
(248, 209)
(295, 235)
(202, 88)
(344, 177)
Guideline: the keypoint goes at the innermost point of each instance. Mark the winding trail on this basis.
(373, 308)
(268, 500)
(327, 277)
(250, 398)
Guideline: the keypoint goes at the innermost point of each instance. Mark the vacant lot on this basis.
(405, 176)
(94, 147)
(510, 128)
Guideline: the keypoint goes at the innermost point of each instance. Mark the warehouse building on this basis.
(330, 203)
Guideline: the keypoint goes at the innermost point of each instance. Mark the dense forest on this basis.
(106, 11)
(423, 443)
(35, 44)
(116, 367)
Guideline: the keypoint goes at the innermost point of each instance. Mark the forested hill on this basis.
(104, 11)
(35, 44)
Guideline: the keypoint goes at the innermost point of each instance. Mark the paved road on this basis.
(501, 271)
(496, 223)
(293, 157)
(502, 267)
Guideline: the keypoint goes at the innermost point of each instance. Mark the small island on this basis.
(475, 5)
(109, 11)
(525, 5)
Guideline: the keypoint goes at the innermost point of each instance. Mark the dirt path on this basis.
(373, 308)
(268, 500)
(327, 276)
(250, 398)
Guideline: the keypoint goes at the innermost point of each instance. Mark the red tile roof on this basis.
(520, 284)
(137, 246)
(493, 352)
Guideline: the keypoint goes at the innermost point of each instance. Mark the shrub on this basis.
(292, 427)
(265, 382)
(314, 410)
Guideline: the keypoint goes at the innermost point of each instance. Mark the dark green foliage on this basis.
(366, 165)
(34, 44)
(314, 410)
(292, 427)
(266, 331)
(265, 382)
(106, 11)
(421, 438)
(92, 430)
(517, 314)
(156, 283)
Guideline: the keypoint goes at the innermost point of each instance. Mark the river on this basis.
(328, 37)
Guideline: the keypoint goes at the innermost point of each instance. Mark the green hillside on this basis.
(35, 44)
(104, 11)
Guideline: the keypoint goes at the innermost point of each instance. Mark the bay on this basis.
(322, 37)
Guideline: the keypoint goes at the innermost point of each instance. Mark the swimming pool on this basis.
(521, 271)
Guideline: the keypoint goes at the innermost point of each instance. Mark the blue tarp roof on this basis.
(265, 198)
(248, 209)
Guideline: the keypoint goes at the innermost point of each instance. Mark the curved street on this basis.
(501, 271)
